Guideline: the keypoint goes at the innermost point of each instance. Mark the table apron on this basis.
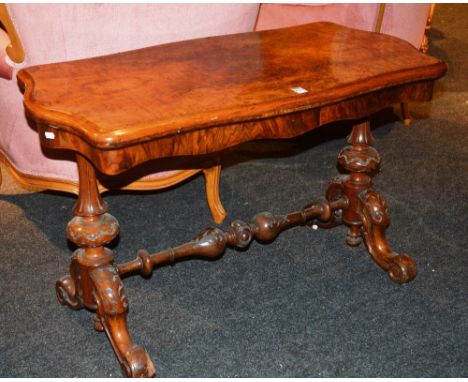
(112, 161)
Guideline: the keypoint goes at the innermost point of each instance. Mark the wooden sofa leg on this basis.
(212, 193)
(405, 113)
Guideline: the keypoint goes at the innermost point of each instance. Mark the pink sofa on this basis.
(406, 21)
(60, 32)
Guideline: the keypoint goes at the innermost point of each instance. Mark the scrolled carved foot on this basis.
(68, 293)
(138, 364)
(112, 306)
(400, 267)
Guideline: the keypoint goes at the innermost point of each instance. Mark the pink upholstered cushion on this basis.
(362, 16)
(59, 32)
(6, 71)
(406, 21)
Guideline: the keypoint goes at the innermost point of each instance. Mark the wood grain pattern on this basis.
(124, 99)
(15, 49)
(114, 161)
(202, 96)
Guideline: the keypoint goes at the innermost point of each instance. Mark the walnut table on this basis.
(201, 96)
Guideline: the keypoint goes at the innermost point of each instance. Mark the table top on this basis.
(124, 98)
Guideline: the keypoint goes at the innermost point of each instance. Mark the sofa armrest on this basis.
(6, 70)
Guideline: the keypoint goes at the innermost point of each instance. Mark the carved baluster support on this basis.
(366, 216)
(90, 229)
(360, 159)
(93, 282)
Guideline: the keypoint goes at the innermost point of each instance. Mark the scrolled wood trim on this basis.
(14, 50)
(56, 184)
(159, 183)
(42, 183)
(38, 183)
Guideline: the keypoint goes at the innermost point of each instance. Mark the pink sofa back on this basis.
(60, 32)
(406, 21)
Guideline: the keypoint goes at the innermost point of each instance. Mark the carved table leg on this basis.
(405, 113)
(212, 175)
(366, 215)
(93, 282)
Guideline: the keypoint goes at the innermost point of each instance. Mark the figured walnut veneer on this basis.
(201, 96)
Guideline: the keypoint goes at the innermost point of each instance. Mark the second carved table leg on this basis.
(405, 113)
(367, 215)
(93, 281)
